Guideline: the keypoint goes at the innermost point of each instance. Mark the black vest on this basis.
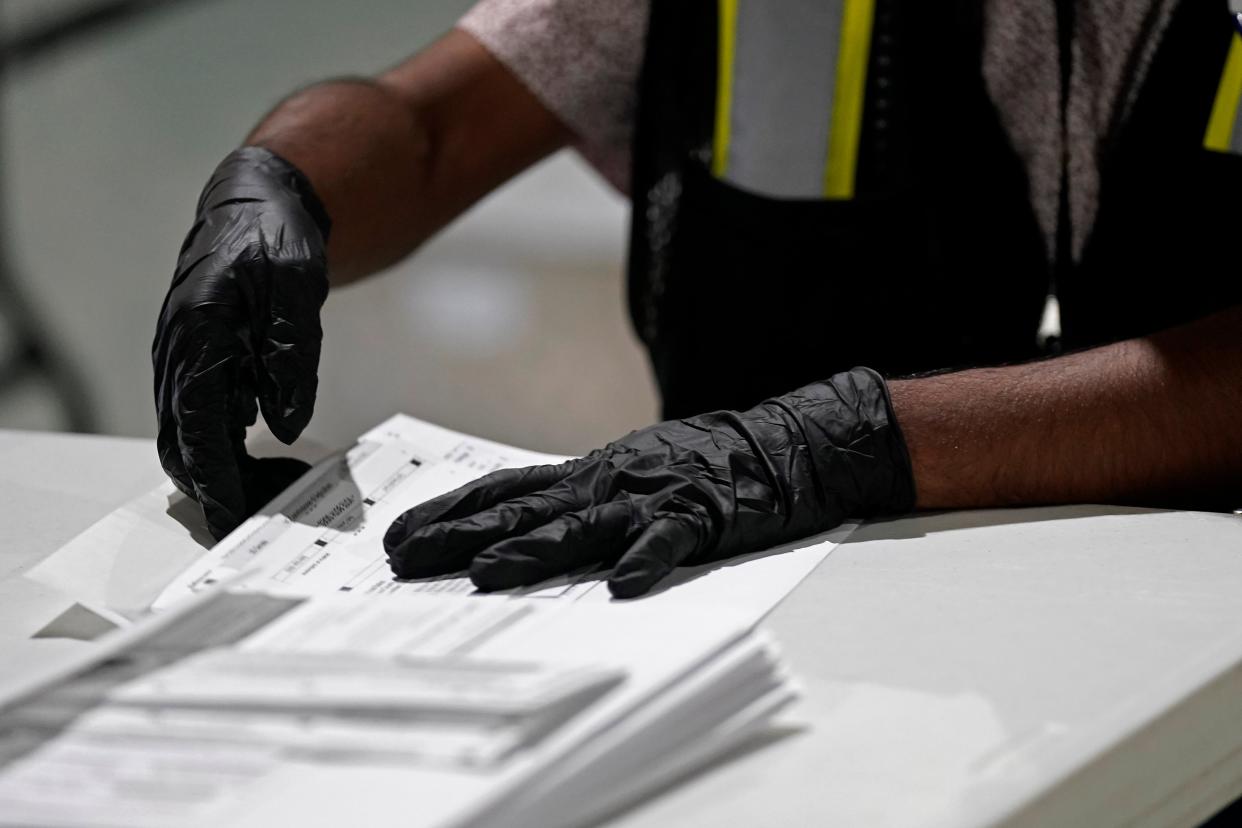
(937, 260)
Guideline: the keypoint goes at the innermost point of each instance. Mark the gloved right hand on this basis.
(687, 491)
(240, 323)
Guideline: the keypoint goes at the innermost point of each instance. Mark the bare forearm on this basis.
(1152, 421)
(366, 155)
(396, 158)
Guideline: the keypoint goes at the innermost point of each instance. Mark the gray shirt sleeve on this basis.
(581, 58)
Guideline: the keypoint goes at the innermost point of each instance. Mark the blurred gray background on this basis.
(510, 325)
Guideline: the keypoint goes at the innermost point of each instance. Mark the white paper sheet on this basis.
(123, 561)
(324, 534)
(327, 536)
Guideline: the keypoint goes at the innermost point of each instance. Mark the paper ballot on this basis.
(258, 709)
(325, 533)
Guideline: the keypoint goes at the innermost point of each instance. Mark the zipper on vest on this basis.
(1049, 335)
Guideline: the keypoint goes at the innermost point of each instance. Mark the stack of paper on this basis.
(260, 709)
(286, 675)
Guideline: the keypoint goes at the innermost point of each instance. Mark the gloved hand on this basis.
(241, 321)
(680, 492)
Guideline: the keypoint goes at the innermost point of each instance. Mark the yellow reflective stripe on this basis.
(724, 85)
(1219, 135)
(847, 109)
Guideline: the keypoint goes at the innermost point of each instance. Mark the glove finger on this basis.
(291, 341)
(241, 413)
(591, 536)
(487, 491)
(167, 361)
(195, 327)
(663, 545)
(449, 546)
(263, 478)
(209, 440)
(168, 445)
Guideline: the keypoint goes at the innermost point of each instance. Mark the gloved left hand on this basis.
(680, 492)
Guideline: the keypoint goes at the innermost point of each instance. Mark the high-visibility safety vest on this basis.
(820, 184)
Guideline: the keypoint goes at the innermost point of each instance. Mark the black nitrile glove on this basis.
(241, 321)
(680, 492)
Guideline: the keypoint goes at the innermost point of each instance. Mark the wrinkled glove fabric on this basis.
(239, 331)
(680, 492)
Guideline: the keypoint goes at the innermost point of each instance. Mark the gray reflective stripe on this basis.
(1235, 142)
(784, 76)
(1233, 66)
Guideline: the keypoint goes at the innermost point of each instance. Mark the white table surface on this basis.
(1062, 666)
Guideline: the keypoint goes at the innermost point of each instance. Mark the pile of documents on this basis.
(259, 709)
(286, 675)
